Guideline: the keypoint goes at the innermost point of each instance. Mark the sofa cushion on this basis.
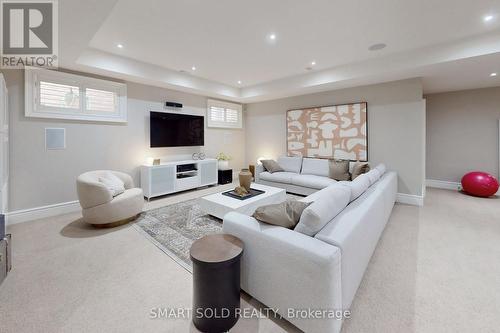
(373, 175)
(339, 169)
(358, 186)
(315, 166)
(315, 195)
(331, 202)
(290, 163)
(359, 168)
(272, 166)
(381, 168)
(279, 177)
(286, 214)
(312, 181)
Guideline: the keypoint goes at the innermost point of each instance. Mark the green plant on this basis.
(223, 157)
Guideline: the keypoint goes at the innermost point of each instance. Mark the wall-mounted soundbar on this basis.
(173, 105)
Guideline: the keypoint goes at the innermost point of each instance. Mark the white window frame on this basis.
(225, 105)
(33, 76)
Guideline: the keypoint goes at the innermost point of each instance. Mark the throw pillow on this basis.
(359, 169)
(332, 201)
(114, 184)
(290, 163)
(272, 166)
(286, 214)
(339, 169)
(315, 166)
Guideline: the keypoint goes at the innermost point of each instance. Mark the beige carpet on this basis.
(436, 269)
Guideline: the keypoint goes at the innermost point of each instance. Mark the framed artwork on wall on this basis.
(335, 131)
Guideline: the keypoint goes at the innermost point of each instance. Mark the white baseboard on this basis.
(410, 199)
(442, 184)
(24, 215)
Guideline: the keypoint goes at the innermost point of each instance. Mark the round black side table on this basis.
(216, 282)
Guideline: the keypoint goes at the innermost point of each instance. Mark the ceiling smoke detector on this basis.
(377, 47)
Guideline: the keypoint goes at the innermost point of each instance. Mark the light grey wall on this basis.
(396, 127)
(39, 177)
(462, 133)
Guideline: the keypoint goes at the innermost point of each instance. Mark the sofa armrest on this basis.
(92, 193)
(258, 169)
(286, 270)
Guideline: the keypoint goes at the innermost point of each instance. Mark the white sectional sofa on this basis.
(288, 270)
(302, 175)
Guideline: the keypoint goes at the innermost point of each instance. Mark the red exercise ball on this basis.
(480, 184)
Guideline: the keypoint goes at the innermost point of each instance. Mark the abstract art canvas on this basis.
(338, 131)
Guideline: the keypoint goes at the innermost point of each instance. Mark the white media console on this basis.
(176, 176)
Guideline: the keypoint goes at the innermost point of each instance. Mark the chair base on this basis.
(116, 223)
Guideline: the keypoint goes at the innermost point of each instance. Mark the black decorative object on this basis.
(252, 193)
(2, 226)
(225, 176)
(216, 282)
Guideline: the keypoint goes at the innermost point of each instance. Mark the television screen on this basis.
(176, 130)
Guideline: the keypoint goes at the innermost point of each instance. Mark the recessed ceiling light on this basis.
(493, 74)
(488, 18)
(239, 82)
(271, 38)
(313, 63)
(193, 68)
(376, 47)
(120, 46)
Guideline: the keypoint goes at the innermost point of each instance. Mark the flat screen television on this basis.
(176, 130)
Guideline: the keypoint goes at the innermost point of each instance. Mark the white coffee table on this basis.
(219, 205)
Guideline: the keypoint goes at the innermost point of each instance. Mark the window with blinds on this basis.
(56, 95)
(52, 94)
(224, 114)
(100, 100)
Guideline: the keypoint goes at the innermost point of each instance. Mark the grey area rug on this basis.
(175, 227)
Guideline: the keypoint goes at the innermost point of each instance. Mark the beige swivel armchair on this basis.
(100, 208)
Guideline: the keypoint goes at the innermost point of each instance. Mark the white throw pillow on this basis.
(315, 166)
(381, 168)
(358, 186)
(290, 163)
(373, 175)
(114, 184)
(332, 201)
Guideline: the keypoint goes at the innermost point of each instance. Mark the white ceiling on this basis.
(446, 42)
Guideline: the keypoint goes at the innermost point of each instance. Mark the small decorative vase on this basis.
(245, 178)
(223, 165)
